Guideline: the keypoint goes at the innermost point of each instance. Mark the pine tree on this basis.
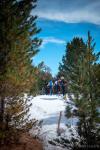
(84, 84)
(89, 118)
(73, 50)
(17, 75)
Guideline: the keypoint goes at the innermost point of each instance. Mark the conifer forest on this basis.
(49, 75)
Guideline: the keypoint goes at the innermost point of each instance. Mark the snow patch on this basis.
(47, 108)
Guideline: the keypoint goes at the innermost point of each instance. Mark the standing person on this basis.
(59, 86)
(56, 86)
(63, 85)
(46, 88)
(51, 86)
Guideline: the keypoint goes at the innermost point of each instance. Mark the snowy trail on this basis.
(48, 108)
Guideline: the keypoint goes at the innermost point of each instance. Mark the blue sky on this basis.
(60, 21)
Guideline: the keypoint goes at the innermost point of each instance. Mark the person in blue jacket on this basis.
(50, 87)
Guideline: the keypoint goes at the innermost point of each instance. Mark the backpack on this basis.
(56, 82)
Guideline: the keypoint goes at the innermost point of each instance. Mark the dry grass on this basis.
(26, 143)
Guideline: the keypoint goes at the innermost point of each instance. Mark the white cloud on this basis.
(71, 17)
(47, 40)
(71, 11)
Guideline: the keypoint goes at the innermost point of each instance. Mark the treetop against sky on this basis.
(60, 21)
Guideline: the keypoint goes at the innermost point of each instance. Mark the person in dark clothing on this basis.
(63, 86)
(46, 88)
(59, 86)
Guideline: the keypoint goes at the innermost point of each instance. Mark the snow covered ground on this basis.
(47, 108)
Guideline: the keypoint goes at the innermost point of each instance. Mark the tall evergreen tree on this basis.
(73, 50)
(84, 84)
(17, 46)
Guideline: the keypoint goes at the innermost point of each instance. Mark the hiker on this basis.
(59, 86)
(56, 86)
(50, 84)
(46, 88)
(62, 83)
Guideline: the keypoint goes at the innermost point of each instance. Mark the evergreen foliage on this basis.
(18, 45)
(43, 77)
(81, 69)
(73, 51)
